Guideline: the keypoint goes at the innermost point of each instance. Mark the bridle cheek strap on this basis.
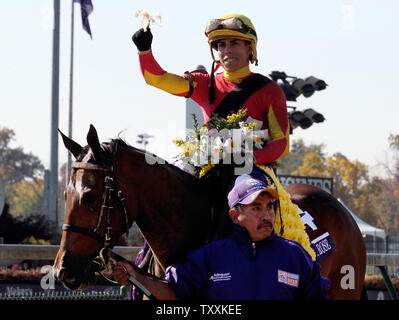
(109, 190)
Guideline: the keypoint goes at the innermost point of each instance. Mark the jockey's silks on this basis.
(267, 106)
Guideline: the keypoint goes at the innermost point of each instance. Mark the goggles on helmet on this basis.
(234, 23)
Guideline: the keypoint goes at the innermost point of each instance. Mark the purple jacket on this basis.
(236, 268)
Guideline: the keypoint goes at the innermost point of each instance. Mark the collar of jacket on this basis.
(238, 75)
(241, 235)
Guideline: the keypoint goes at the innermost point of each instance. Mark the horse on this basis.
(174, 212)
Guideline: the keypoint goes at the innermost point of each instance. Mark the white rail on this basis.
(48, 252)
(383, 259)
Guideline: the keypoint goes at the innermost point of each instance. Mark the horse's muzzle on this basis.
(71, 274)
(60, 273)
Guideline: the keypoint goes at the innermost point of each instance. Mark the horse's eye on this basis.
(89, 197)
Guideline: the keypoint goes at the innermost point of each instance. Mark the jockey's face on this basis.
(257, 217)
(233, 53)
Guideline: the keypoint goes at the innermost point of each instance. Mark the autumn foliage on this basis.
(374, 199)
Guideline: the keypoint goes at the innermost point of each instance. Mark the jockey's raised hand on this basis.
(143, 39)
(234, 40)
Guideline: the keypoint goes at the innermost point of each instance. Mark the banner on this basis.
(323, 183)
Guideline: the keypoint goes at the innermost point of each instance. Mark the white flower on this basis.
(204, 131)
(216, 149)
(217, 142)
(260, 137)
(237, 136)
(258, 142)
(227, 145)
(264, 134)
(147, 18)
(204, 145)
(199, 158)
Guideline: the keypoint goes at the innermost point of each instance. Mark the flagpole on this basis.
(53, 179)
(68, 169)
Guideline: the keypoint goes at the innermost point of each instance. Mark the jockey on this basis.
(234, 38)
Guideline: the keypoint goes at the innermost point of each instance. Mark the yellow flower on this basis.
(251, 126)
(178, 142)
(187, 148)
(206, 168)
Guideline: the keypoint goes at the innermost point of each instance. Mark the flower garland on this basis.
(294, 228)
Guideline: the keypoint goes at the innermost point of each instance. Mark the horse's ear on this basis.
(94, 143)
(74, 147)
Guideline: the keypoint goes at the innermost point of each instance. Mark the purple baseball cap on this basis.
(247, 188)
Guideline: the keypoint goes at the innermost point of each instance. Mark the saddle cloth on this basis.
(320, 240)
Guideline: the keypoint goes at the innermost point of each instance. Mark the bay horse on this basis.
(173, 211)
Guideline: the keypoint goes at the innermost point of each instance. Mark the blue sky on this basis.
(352, 45)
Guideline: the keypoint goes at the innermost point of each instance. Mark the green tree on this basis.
(369, 202)
(27, 197)
(373, 199)
(15, 163)
(389, 203)
(394, 147)
(294, 159)
(313, 165)
(21, 173)
(352, 183)
(349, 177)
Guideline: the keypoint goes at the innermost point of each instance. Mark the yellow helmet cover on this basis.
(236, 26)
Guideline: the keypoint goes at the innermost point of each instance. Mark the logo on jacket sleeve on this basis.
(288, 278)
(220, 277)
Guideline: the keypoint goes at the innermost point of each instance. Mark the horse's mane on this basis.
(107, 148)
(110, 145)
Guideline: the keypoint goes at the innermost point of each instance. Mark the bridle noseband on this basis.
(110, 188)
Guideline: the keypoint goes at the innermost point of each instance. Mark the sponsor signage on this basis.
(323, 183)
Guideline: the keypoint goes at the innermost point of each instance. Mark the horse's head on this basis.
(94, 215)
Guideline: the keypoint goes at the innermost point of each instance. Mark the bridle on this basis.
(110, 189)
(106, 258)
